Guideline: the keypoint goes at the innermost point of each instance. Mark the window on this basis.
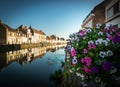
(116, 7)
(113, 10)
(110, 12)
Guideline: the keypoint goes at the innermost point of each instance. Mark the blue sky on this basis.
(59, 17)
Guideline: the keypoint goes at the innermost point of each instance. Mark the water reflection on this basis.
(26, 55)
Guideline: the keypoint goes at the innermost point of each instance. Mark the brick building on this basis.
(97, 15)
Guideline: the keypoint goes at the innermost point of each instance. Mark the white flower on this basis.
(98, 62)
(78, 68)
(71, 71)
(74, 57)
(84, 37)
(78, 74)
(84, 84)
(90, 42)
(107, 39)
(109, 53)
(98, 41)
(113, 70)
(108, 35)
(97, 79)
(100, 33)
(72, 39)
(67, 55)
(105, 42)
(89, 30)
(74, 61)
(102, 54)
(117, 78)
(98, 25)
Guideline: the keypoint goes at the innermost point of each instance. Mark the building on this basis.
(97, 15)
(24, 35)
(112, 11)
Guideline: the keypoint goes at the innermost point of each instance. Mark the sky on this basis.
(58, 17)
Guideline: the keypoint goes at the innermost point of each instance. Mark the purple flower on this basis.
(107, 66)
(116, 39)
(95, 69)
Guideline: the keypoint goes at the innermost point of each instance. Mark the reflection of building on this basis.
(25, 55)
(112, 10)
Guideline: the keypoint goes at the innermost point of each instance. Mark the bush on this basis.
(94, 54)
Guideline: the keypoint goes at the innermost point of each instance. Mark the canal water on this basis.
(30, 67)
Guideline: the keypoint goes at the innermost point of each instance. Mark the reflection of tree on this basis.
(51, 61)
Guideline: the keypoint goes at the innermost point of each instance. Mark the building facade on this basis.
(97, 15)
(24, 35)
(112, 11)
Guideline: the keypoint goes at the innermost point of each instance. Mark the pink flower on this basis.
(73, 52)
(118, 33)
(83, 33)
(114, 29)
(85, 51)
(106, 29)
(88, 61)
(110, 37)
(91, 46)
(86, 69)
(82, 60)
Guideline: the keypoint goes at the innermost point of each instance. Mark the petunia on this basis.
(117, 78)
(109, 53)
(100, 33)
(69, 47)
(82, 60)
(116, 39)
(95, 69)
(71, 71)
(91, 46)
(89, 30)
(73, 52)
(107, 66)
(88, 61)
(83, 33)
(98, 25)
(105, 42)
(74, 61)
(85, 51)
(87, 70)
(98, 41)
(106, 29)
(98, 62)
(102, 54)
(113, 70)
(97, 79)
(67, 55)
(78, 74)
(90, 42)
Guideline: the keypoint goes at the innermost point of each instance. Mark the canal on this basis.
(30, 67)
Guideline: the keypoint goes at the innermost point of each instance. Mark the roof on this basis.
(47, 38)
(36, 31)
(9, 28)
